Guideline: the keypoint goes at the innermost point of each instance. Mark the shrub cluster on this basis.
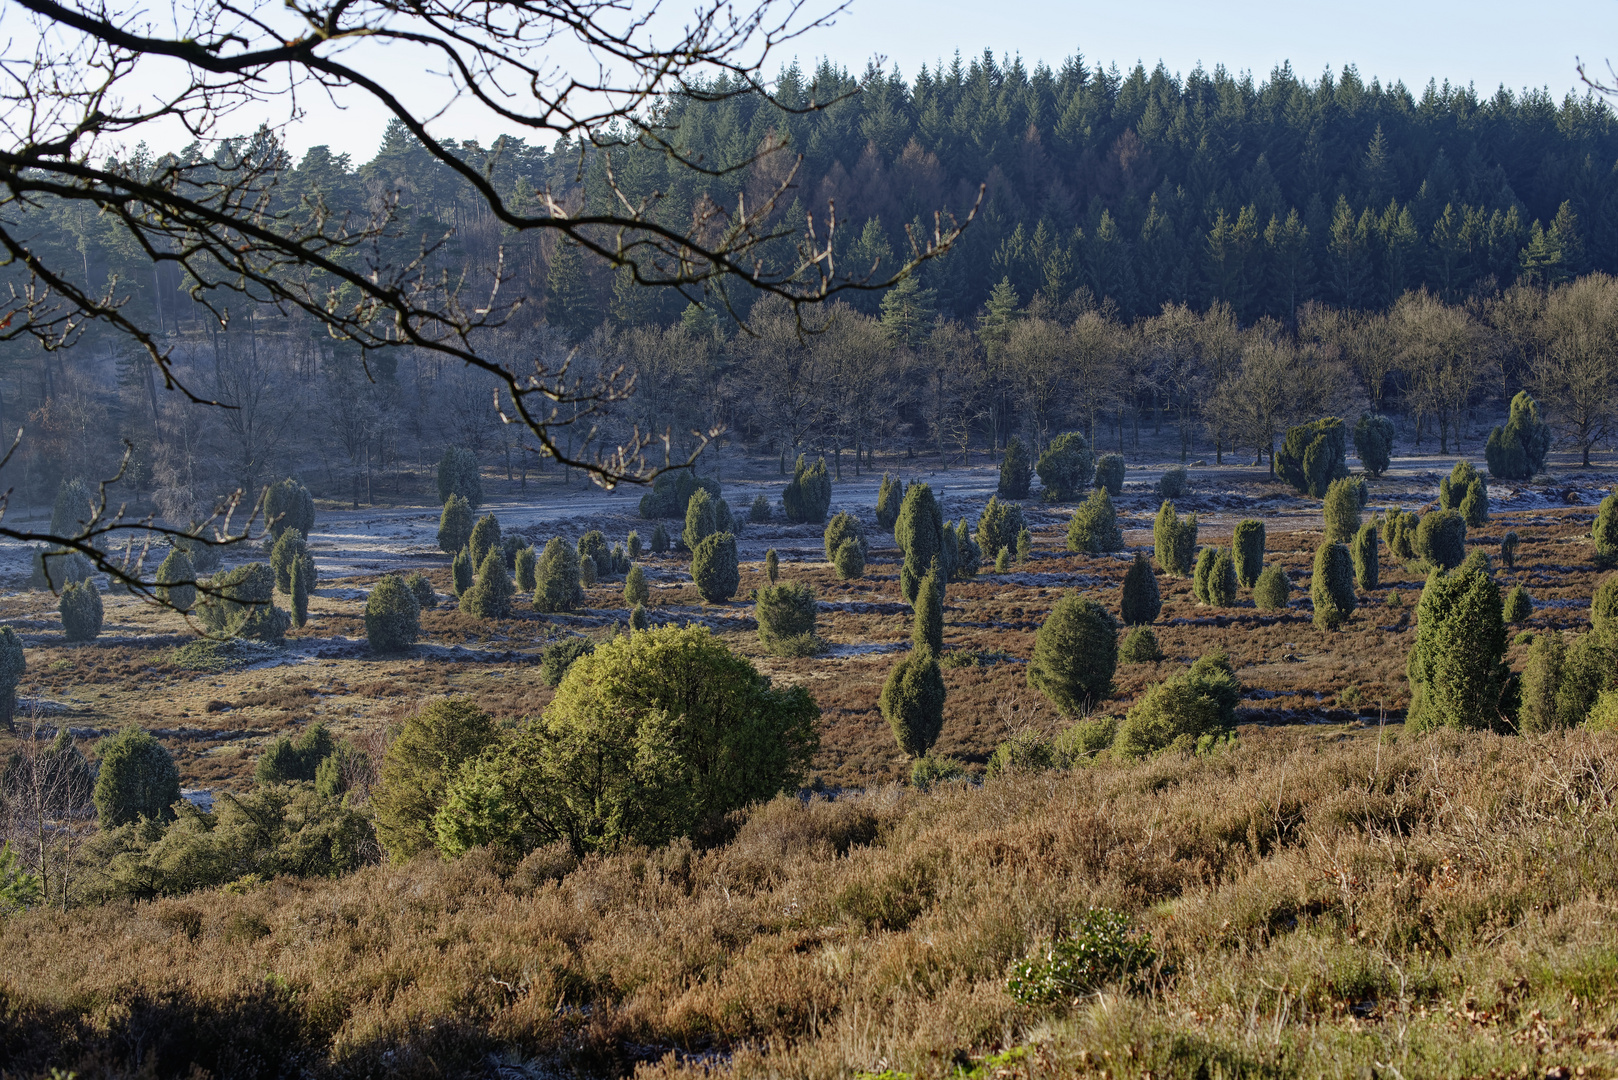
(1174, 540)
(807, 497)
(1313, 455)
(1518, 450)
(1066, 467)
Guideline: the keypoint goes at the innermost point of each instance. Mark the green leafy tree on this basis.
(1272, 590)
(1174, 540)
(636, 591)
(912, 702)
(1367, 570)
(849, 561)
(841, 529)
(285, 552)
(1373, 442)
(136, 778)
(715, 568)
(1518, 450)
(1247, 548)
(1604, 531)
(1441, 538)
(1094, 525)
(1331, 588)
(1141, 601)
(1075, 654)
(392, 616)
(1313, 455)
(491, 595)
(462, 573)
(557, 587)
(484, 537)
(1066, 468)
(177, 580)
(12, 666)
(1015, 471)
(1190, 712)
(417, 768)
(81, 611)
(786, 617)
(458, 475)
(889, 497)
(1110, 473)
(288, 505)
(919, 532)
(1341, 510)
(1455, 668)
(699, 520)
(455, 525)
(807, 497)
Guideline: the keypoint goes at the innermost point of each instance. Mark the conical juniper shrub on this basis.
(638, 619)
(632, 545)
(81, 611)
(176, 581)
(1094, 525)
(527, 561)
(968, 556)
(303, 583)
(1066, 467)
(1191, 711)
(1110, 473)
(287, 548)
(660, 539)
(772, 566)
(490, 596)
(1175, 541)
(1518, 606)
(587, 572)
(919, 532)
(462, 573)
(1399, 533)
(1272, 590)
(12, 666)
(1373, 442)
(1475, 506)
(1456, 675)
(1518, 450)
(759, 511)
(1221, 586)
(849, 561)
(1341, 510)
(807, 498)
(557, 587)
(912, 701)
(454, 525)
(927, 629)
(1141, 601)
(1015, 471)
(1199, 576)
(594, 545)
(1367, 569)
(1509, 544)
(999, 525)
(1025, 545)
(1075, 654)
(841, 528)
(1332, 587)
(1247, 547)
(392, 616)
(288, 505)
(1441, 538)
(1604, 606)
(699, 520)
(1139, 647)
(715, 569)
(1002, 561)
(889, 497)
(636, 591)
(485, 535)
(422, 590)
(1604, 531)
(1453, 488)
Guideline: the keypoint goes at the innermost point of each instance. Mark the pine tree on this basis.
(1341, 510)
(1110, 473)
(1015, 471)
(912, 702)
(303, 583)
(461, 572)
(715, 569)
(927, 630)
(454, 525)
(556, 587)
(176, 581)
(1075, 654)
(490, 596)
(485, 536)
(1373, 442)
(1141, 601)
(1367, 570)
(1332, 586)
(392, 616)
(1094, 525)
(1247, 548)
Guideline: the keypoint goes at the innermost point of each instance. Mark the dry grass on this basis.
(1325, 904)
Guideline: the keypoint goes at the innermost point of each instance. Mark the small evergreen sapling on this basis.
(1367, 568)
(1141, 600)
(1272, 590)
(1247, 548)
(772, 566)
(786, 619)
(1110, 473)
(1094, 525)
(715, 569)
(660, 539)
(1015, 474)
(1075, 654)
(1174, 482)
(455, 525)
(81, 611)
(759, 512)
(462, 573)
(1002, 561)
(484, 536)
(636, 591)
(638, 619)
(1139, 647)
(392, 616)
(1025, 546)
(632, 545)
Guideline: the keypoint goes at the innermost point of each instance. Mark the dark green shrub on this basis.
(587, 572)
(1373, 442)
(1313, 455)
(1475, 505)
(786, 616)
(1141, 601)
(999, 524)
(1094, 525)
(510, 544)
(455, 525)
(205, 554)
(1604, 606)
(772, 566)
(968, 556)
(930, 769)
(58, 568)
(912, 702)
(288, 761)
(490, 596)
(1332, 587)
(1273, 588)
(1518, 605)
(73, 508)
(927, 629)
(136, 779)
(1015, 473)
(636, 591)
(759, 512)
(1139, 647)
(1441, 538)
(843, 527)
(462, 573)
(849, 561)
(556, 578)
(243, 605)
(919, 533)
(671, 493)
(1604, 531)
(1191, 711)
(1025, 545)
(1066, 467)
(1367, 566)
(560, 655)
(285, 552)
(526, 565)
(638, 619)
(485, 536)
(1175, 541)
(1508, 549)
(1399, 530)
(458, 475)
(1075, 654)
(1098, 948)
(81, 611)
(1174, 482)
(715, 569)
(1341, 511)
(416, 771)
(724, 520)
(1221, 586)
(632, 546)
(1561, 684)
(1247, 548)
(807, 497)
(660, 539)
(699, 520)
(12, 666)
(1110, 473)
(1455, 670)
(303, 583)
(177, 581)
(392, 616)
(1452, 489)
(889, 498)
(593, 545)
(422, 590)
(288, 505)
(1201, 574)
(1518, 450)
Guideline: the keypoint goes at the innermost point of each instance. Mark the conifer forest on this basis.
(775, 569)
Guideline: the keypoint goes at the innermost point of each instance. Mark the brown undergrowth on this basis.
(1396, 907)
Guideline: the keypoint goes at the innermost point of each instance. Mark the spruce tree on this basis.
(556, 585)
(1015, 473)
(303, 583)
(636, 591)
(1247, 548)
(1341, 511)
(462, 573)
(283, 555)
(1367, 570)
(454, 525)
(1075, 654)
(772, 566)
(1604, 531)
(81, 611)
(1332, 586)
(392, 616)
(807, 497)
(1141, 601)
(1455, 667)
(912, 702)
(1066, 467)
(1373, 442)
(715, 569)
(12, 665)
(176, 581)
(1094, 525)
(889, 498)
(1271, 590)
(1110, 473)
(927, 629)
(919, 533)
(527, 561)
(485, 536)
